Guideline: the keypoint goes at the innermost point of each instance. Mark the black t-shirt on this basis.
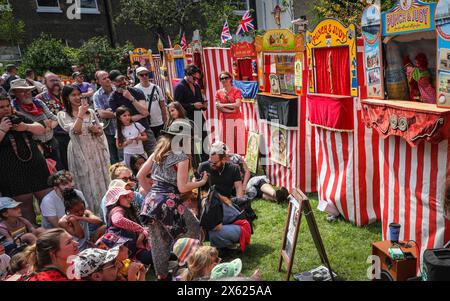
(117, 100)
(224, 179)
(184, 95)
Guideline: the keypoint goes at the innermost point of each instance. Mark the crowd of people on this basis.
(105, 182)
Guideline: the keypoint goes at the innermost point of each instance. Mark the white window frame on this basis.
(48, 9)
(242, 12)
(91, 11)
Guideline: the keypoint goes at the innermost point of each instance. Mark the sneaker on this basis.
(333, 218)
(282, 195)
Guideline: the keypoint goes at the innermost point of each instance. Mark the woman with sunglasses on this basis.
(231, 119)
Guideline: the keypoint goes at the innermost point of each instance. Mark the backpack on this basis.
(245, 205)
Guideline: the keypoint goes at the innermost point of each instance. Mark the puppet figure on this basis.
(414, 94)
(423, 78)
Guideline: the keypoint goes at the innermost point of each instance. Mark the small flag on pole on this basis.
(246, 23)
(225, 36)
(183, 42)
(170, 41)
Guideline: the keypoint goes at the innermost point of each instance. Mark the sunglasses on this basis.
(143, 75)
(225, 78)
(127, 179)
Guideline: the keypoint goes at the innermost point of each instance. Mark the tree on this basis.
(177, 16)
(46, 54)
(97, 54)
(11, 30)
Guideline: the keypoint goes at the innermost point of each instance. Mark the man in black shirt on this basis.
(188, 93)
(133, 99)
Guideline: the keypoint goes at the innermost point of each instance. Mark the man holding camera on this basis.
(134, 100)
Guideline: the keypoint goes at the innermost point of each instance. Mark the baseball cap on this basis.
(90, 260)
(115, 74)
(227, 269)
(8, 203)
(76, 74)
(140, 69)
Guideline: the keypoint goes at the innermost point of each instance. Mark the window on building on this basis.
(89, 7)
(241, 6)
(48, 6)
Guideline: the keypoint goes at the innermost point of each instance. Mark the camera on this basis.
(15, 119)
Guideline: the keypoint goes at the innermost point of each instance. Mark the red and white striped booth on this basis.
(343, 145)
(412, 148)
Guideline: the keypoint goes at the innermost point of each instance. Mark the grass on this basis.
(347, 246)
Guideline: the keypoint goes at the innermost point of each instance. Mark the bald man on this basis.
(52, 98)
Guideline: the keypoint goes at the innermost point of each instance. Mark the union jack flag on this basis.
(183, 42)
(225, 36)
(246, 23)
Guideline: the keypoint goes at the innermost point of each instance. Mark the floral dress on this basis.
(164, 213)
(88, 158)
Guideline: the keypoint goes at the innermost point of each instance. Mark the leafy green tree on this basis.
(97, 53)
(11, 30)
(46, 54)
(177, 16)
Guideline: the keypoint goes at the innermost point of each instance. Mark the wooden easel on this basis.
(304, 208)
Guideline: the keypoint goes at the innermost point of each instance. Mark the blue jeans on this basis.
(115, 155)
(226, 237)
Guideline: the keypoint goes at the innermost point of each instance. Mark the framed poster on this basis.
(274, 84)
(443, 55)
(252, 152)
(299, 205)
(278, 145)
(371, 30)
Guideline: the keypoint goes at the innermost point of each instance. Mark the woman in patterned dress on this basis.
(87, 153)
(163, 211)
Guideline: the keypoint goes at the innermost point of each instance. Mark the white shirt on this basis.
(156, 118)
(53, 205)
(132, 131)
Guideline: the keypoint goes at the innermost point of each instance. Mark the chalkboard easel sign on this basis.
(299, 205)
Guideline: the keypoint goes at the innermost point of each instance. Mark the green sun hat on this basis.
(227, 269)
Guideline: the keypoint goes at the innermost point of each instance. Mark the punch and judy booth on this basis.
(407, 73)
(343, 149)
(246, 79)
(280, 61)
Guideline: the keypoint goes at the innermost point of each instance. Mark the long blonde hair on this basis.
(198, 262)
(162, 149)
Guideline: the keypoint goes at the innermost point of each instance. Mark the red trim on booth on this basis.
(331, 111)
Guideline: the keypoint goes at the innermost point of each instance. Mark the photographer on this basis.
(134, 100)
(37, 111)
(23, 169)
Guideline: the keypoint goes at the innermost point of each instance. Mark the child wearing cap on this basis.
(122, 220)
(96, 265)
(183, 249)
(200, 264)
(14, 227)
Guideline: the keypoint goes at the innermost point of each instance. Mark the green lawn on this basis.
(347, 246)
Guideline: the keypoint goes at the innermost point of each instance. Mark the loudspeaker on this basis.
(436, 265)
(395, 270)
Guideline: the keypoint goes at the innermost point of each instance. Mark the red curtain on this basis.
(245, 69)
(198, 63)
(332, 70)
(267, 72)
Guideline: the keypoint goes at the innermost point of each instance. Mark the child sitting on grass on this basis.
(79, 222)
(18, 231)
(200, 264)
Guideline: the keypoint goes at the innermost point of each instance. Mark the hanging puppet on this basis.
(414, 94)
(423, 78)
